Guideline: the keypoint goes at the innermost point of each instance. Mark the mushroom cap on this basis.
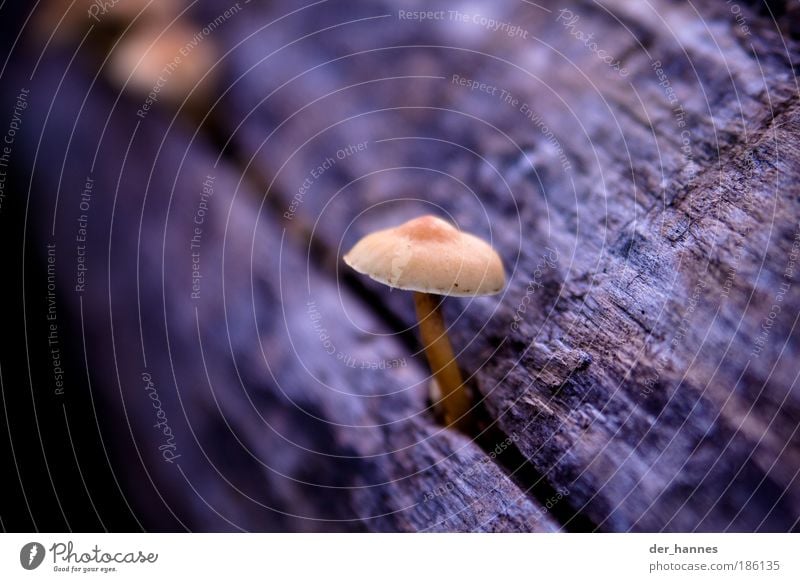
(429, 255)
(148, 58)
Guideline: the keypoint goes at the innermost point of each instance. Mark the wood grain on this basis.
(648, 219)
(269, 428)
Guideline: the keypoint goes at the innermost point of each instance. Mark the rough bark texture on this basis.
(642, 362)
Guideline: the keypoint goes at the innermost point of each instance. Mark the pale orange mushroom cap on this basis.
(150, 57)
(429, 255)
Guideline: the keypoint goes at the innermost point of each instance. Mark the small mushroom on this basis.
(169, 62)
(430, 257)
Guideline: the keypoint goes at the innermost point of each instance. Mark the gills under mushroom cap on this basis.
(429, 255)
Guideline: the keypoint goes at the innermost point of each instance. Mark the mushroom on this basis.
(65, 20)
(169, 62)
(430, 257)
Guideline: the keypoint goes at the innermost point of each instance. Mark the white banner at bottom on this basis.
(379, 557)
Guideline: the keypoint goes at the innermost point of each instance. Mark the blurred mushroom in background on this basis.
(67, 20)
(153, 50)
(169, 62)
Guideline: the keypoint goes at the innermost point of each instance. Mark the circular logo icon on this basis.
(31, 555)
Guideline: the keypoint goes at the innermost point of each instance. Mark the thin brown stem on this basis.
(442, 360)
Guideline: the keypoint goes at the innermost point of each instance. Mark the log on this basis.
(638, 373)
(647, 210)
(206, 335)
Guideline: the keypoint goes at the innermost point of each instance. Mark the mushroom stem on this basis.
(442, 360)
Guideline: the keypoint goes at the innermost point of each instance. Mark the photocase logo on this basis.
(31, 555)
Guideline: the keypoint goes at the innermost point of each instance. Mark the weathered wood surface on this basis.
(646, 268)
(271, 431)
(625, 357)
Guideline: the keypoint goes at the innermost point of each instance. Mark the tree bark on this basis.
(638, 373)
